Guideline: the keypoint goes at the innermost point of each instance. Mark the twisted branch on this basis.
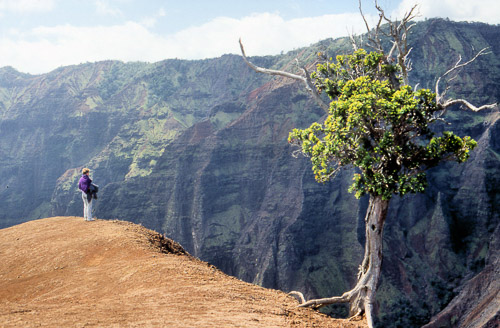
(450, 102)
(306, 79)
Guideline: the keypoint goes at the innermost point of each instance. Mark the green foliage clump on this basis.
(116, 78)
(378, 125)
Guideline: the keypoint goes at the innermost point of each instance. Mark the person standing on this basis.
(84, 186)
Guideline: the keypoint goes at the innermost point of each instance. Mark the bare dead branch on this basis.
(305, 79)
(456, 67)
(372, 36)
(268, 71)
(468, 105)
(459, 65)
(363, 16)
(353, 41)
(394, 47)
(440, 95)
(398, 32)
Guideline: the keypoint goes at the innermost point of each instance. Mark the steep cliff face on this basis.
(477, 304)
(116, 118)
(198, 151)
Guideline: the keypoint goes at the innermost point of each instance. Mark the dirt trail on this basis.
(65, 272)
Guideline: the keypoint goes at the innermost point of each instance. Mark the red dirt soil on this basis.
(65, 272)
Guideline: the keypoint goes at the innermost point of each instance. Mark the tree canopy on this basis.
(377, 124)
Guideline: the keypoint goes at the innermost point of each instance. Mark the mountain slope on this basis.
(478, 303)
(62, 272)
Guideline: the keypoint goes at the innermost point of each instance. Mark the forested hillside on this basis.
(198, 150)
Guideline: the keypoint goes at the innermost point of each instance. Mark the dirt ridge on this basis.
(65, 272)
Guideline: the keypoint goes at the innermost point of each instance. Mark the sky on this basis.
(37, 36)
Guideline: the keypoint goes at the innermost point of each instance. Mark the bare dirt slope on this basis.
(65, 272)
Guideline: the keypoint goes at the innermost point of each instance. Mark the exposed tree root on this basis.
(358, 314)
(345, 298)
(361, 297)
(357, 297)
(299, 296)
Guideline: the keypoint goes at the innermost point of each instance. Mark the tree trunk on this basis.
(369, 274)
(362, 296)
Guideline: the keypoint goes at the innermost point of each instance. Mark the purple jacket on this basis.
(84, 183)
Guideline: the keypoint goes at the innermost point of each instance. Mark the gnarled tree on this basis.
(379, 124)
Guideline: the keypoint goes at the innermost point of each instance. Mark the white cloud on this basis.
(103, 8)
(23, 6)
(487, 11)
(262, 34)
(67, 45)
(46, 48)
(148, 22)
